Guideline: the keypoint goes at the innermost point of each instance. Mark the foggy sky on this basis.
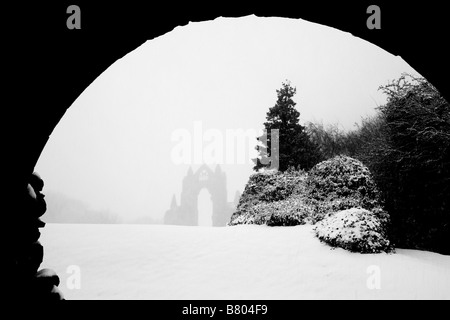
(113, 148)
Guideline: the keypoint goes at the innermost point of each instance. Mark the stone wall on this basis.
(25, 253)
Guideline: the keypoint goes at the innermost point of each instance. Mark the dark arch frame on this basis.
(47, 66)
(50, 66)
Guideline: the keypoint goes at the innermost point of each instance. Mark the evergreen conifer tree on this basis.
(295, 149)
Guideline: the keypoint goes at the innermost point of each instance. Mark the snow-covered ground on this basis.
(240, 262)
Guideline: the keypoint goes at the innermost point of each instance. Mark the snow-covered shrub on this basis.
(270, 186)
(263, 212)
(284, 220)
(342, 183)
(354, 229)
(297, 197)
(265, 194)
(342, 176)
(294, 210)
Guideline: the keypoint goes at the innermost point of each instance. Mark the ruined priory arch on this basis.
(186, 213)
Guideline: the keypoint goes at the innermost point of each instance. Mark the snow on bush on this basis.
(342, 176)
(288, 212)
(355, 229)
(342, 183)
(270, 186)
(338, 195)
(298, 197)
(270, 194)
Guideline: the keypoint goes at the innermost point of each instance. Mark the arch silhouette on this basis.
(187, 212)
(47, 66)
(65, 62)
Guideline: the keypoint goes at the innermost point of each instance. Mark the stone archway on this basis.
(186, 213)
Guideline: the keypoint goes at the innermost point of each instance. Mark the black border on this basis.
(47, 66)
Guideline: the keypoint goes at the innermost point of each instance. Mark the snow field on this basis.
(240, 262)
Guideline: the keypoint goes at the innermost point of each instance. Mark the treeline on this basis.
(406, 145)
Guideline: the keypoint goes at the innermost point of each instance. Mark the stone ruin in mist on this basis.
(186, 213)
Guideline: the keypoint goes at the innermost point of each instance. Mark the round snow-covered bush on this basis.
(342, 183)
(343, 176)
(356, 230)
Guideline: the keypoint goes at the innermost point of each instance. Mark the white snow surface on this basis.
(239, 262)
